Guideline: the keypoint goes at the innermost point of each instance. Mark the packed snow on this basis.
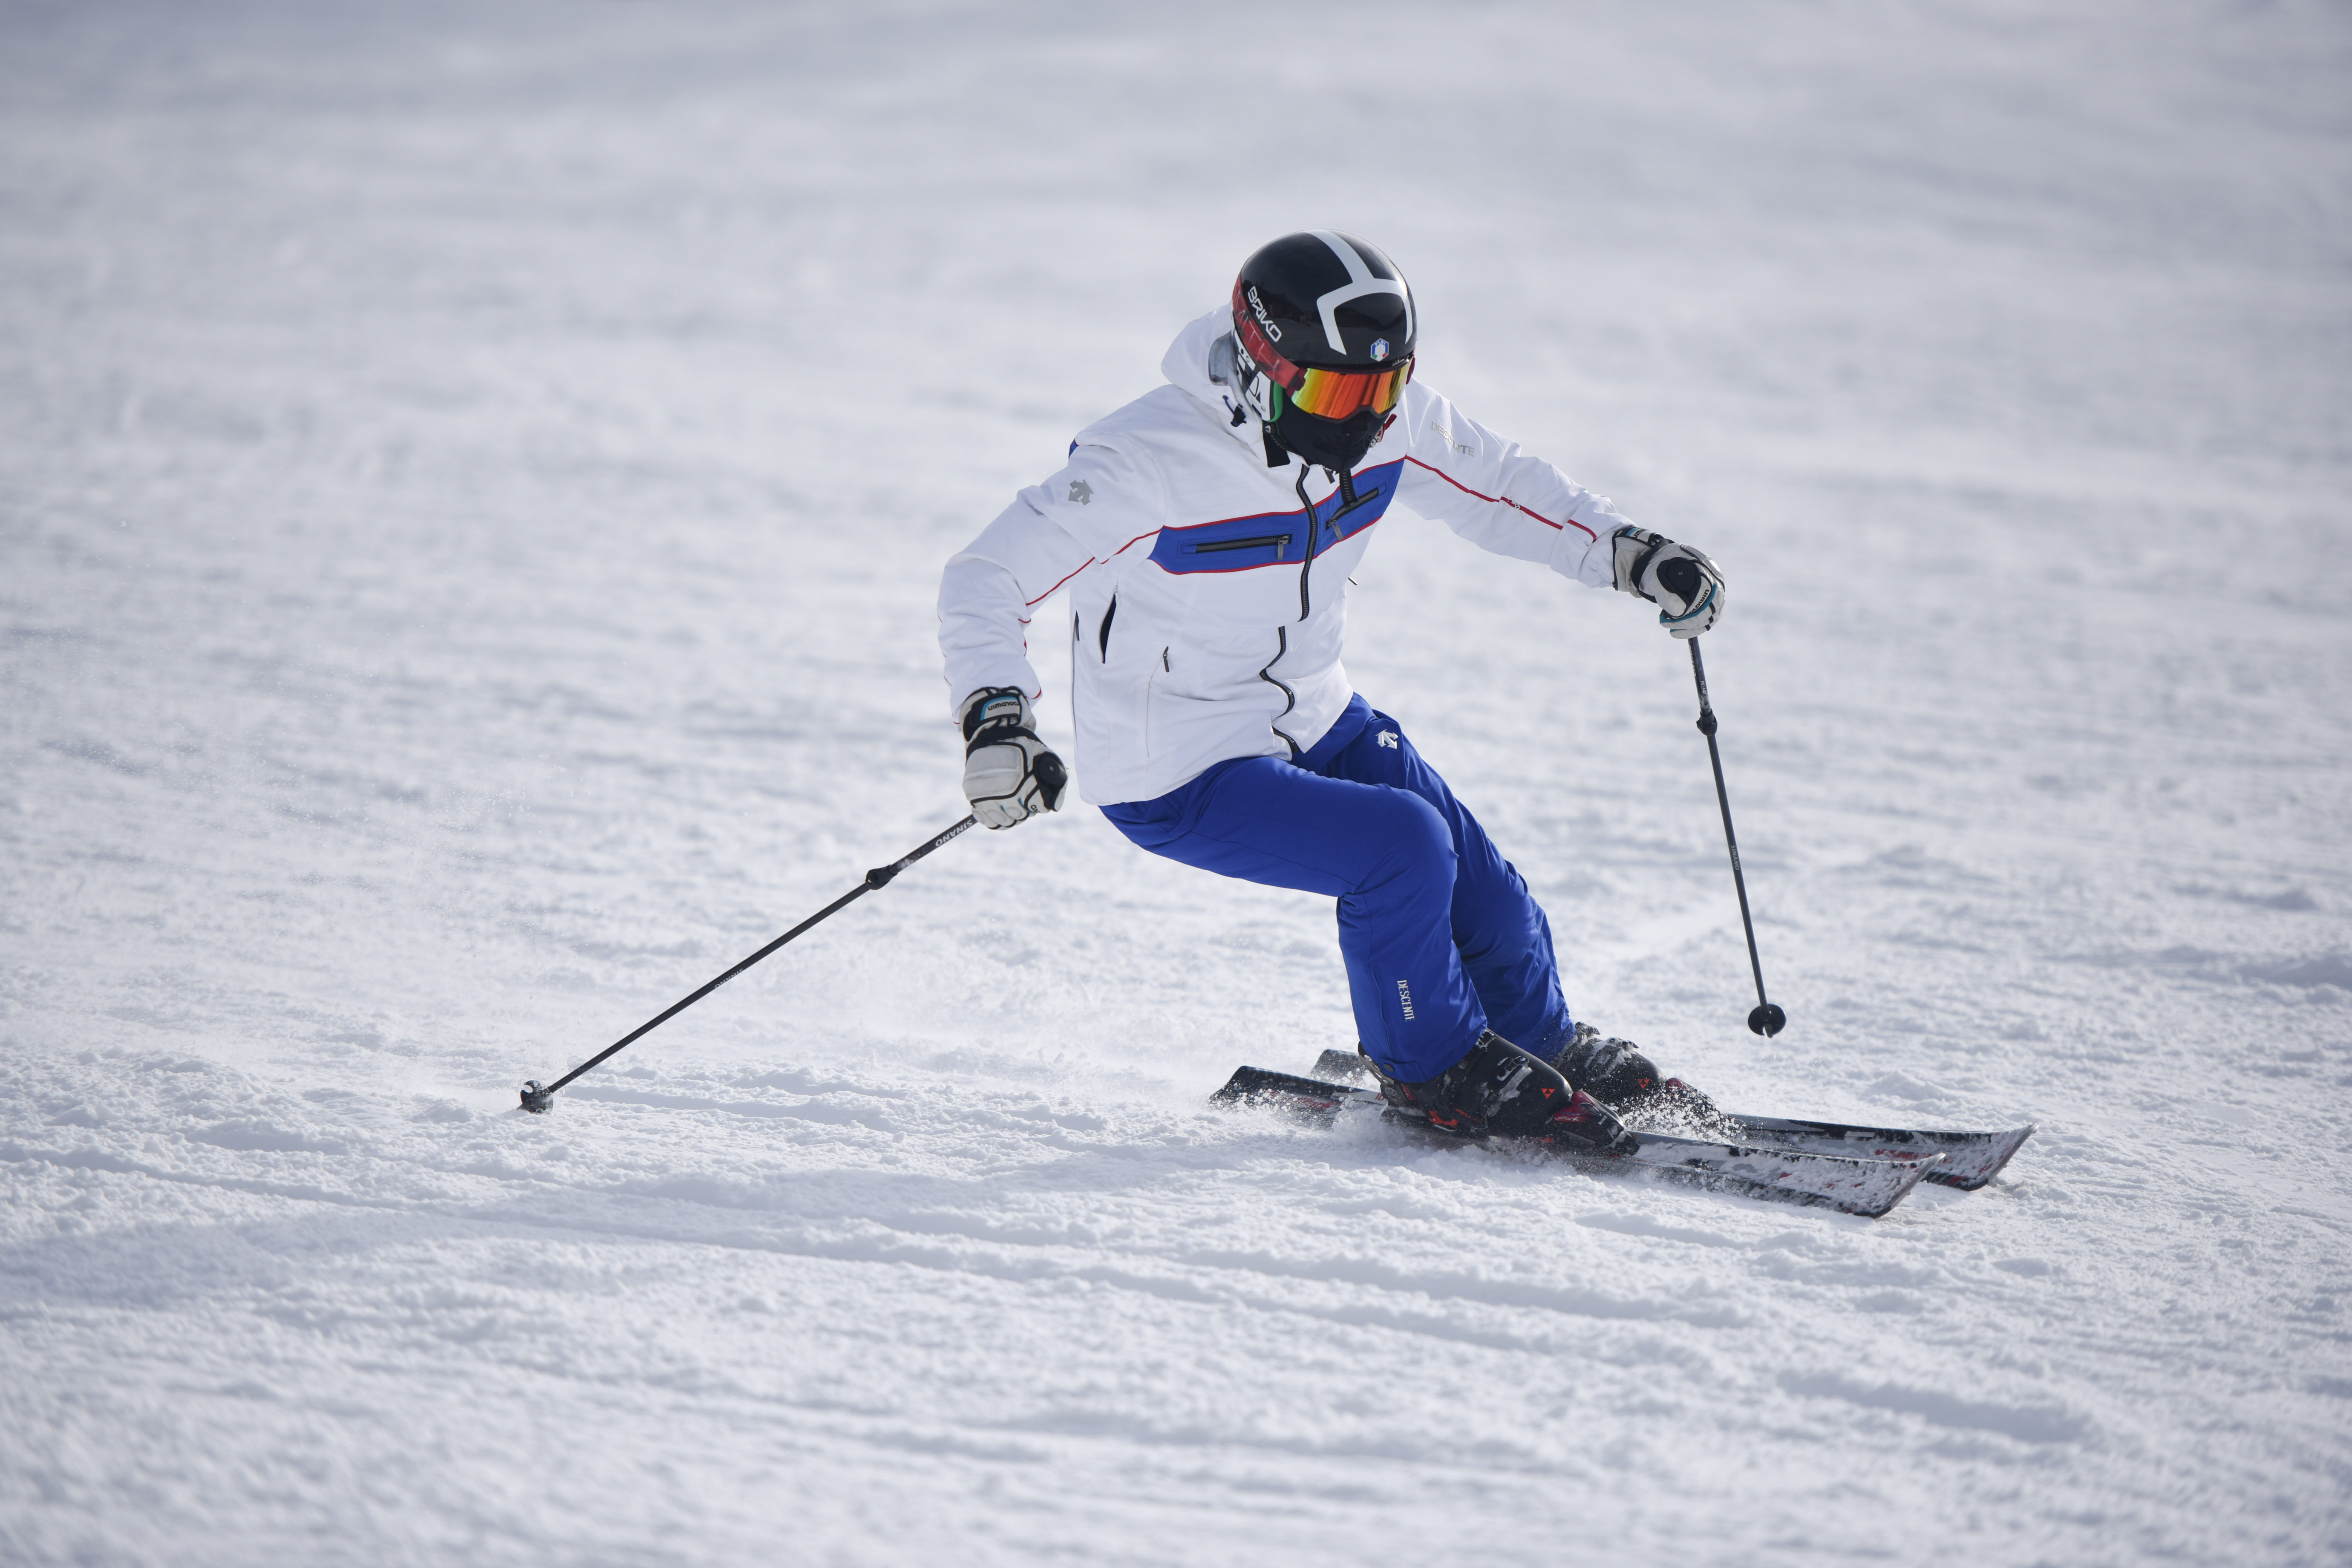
(473, 482)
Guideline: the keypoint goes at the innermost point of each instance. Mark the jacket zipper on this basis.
(1103, 642)
(1281, 646)
(1314, 540)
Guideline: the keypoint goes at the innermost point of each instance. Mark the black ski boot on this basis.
(1616, 1073)
(1500, 1090)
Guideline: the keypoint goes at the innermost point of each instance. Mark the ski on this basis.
(1850, 1184)
(1970, 1158)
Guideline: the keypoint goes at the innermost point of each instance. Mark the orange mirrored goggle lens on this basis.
(1337, 394)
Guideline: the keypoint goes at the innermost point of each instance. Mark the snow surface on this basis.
(472, 483)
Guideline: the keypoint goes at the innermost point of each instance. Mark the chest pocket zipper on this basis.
(1278, 542)
(1103, 640)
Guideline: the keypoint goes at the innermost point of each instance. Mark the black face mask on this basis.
(1337, 445)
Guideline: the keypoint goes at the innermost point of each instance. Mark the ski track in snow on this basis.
(470, 503)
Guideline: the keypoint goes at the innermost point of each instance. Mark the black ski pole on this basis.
(538, 1100)
(1766, 1019)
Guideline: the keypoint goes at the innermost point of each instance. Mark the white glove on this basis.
(1684, 584)
(1009, 775)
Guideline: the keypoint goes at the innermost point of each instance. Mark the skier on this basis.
(1205, 532)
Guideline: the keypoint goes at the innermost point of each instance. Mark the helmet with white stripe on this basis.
(1324, 327)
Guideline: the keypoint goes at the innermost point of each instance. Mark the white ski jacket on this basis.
(1207, 606)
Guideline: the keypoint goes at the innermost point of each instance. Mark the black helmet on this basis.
(1325, 327)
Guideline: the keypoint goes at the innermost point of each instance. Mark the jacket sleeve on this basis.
(1101, 503)
(1497, 497)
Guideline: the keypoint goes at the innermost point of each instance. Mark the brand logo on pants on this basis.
(1404, 997)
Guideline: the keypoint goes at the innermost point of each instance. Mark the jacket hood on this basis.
(1186, 366)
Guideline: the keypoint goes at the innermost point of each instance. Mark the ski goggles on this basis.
(1337, 394)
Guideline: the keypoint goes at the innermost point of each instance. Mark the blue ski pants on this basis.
(1440, 937)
